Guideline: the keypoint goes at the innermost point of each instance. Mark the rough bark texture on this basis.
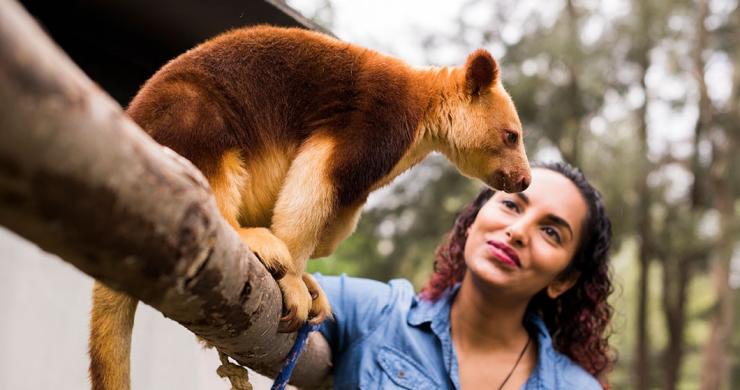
(718, 356)
(644, 226)
(570, 145)
(677, 265)
(717, 352)
(676, 275)
(81, 180)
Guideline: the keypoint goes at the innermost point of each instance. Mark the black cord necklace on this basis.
(521, 354)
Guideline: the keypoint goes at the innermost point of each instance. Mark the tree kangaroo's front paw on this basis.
(271, 251)
(296, 302)
(320, 307)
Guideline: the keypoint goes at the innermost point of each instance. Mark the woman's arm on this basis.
(357, 306)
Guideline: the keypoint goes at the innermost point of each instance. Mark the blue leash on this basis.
(300, 342)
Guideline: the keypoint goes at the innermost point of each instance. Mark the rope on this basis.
(290, 361)
(238, 375)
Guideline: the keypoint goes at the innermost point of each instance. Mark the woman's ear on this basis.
(562, 284)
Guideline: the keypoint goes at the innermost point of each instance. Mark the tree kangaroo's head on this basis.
(483, 137)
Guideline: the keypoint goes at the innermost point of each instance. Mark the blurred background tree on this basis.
(643, 96)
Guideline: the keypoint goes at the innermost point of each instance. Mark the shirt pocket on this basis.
(403, 372)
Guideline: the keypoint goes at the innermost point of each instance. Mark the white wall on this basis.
(44, 310)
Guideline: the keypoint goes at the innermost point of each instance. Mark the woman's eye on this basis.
(510, 205)
(552, 233)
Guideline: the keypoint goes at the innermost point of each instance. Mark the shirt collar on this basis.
(543, 375)
(424, 311)
(537, 327)
(437, 315)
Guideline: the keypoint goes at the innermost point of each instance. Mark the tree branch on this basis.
(81, 180)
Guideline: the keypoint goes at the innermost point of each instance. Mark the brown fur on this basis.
(110, 338)
(293, 130)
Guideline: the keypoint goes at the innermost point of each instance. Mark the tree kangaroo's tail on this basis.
(110, 338)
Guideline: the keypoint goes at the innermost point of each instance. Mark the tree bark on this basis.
(676, 275)
(644, 225)
(699, 188)
(717, 359)
(570, 144)
(717, 352)
(81, 180)
(676, 270)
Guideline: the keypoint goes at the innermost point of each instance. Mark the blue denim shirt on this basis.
(384, 337)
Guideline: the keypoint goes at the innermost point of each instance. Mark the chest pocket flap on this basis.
(403, 371)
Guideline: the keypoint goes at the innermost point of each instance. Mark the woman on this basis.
(517, 300)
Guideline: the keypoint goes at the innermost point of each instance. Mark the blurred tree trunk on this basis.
(674, 298)
(717, 359)
(644, 223)
(698, 190)
(642, 362)
(676, 276)
(676, 265)
(569, 144)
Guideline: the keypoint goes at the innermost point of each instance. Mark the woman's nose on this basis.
(516, 233)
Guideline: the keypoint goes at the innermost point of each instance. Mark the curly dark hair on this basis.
(578, 320)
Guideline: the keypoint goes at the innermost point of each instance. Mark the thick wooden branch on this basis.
(81, 180)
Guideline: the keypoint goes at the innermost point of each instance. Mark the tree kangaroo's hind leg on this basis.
(341, 226)
(227, 184)
(305, 206)
(110, 338)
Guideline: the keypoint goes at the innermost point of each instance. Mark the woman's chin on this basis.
(493, 274)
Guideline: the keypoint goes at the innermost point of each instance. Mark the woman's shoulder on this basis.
(560, 372)
(555, 370)
(575, 377)
(361, 306)
(348, 290)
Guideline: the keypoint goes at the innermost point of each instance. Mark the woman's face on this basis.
(522, 242)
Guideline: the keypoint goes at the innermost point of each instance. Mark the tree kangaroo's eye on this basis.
(511, 137)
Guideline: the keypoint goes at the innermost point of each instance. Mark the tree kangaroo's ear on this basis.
(481, 72)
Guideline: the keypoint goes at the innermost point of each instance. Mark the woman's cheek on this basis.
(548, 261)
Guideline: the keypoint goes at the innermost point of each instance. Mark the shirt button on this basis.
(401, 374)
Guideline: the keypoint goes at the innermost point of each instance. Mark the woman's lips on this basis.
(504, 253)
